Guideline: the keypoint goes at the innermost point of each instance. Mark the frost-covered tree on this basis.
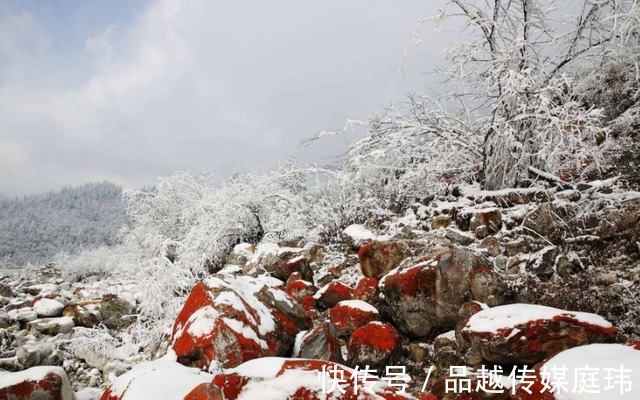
(527, 66)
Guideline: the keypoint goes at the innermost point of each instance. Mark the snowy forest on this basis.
(33, 229)
(512, 198)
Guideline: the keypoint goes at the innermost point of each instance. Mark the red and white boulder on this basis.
(527, 333)
(36, 383)
(375, 344)
(230, 319)
(297, 379)
(590, 372)
(424, 299)
(160, 379)
(349, 315)
(333, 293)
(205, 391)
(299, 289)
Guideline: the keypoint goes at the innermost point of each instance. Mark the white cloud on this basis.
(206, 85)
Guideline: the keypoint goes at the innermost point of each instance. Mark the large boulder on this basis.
(527, 333)
(423, 300)
(293, 379)
(160, 379)
(37, 383)
(45, 307)
(232, 319)
(378, 258)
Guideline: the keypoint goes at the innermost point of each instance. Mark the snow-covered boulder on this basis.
(51, 326)
(349, 315)
(591, 372)
(357, 235)
(527, 333)
(37, 383)
(424, 299)
(45, 307)
(375, 344)
(279, 378)
(205, 391)
(162, 379)
(367, 290)
(232, 319)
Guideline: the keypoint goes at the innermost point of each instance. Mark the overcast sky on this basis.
(130, 90)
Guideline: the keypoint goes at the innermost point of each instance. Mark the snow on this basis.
(508, 316)
(601, 357)
(245, 331)
(202, 321)
(360, 305)
(89, 394)
(450, 335)
(298, 343)
(160, 379)
(266, 367)
(48, 307)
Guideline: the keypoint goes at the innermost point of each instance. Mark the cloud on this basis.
(201, 85)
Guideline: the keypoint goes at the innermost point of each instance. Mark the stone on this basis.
(349, 315)
(300, 289)
(441, 221)
(113, 311)
(490, 218)
(5, 290)
(230, 319)
(82, 316)
(333, 293)
(37, 383)
(23, 315)
(375, 344)
(277, 378)
(159, 379)
(462, 238)
(45, 307)
(321, 343)
(423, 300)
(527, 334)
(367, 290)
(378, 258)
(51, 326)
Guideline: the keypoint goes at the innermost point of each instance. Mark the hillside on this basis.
(34, 228)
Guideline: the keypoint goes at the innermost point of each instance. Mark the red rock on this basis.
(423, 300)
(297, 379)
(294, 277)
(37, 383)
(309, 305)
(349, 315)
(378, 258)
(375, 344)
(233, 319)
(321, 343)
(298, 264)
(526, 333)
(205, 391)
(333, 293)
(367, 290)
(300, 289)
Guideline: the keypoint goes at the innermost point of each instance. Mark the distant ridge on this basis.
(33, 228)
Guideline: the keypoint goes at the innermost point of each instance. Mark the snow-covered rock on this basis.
(526, 333)
(280, 378)
(349, 315)
(162, 379)
(375, 344)
(45, 307)
(37, 383)
(231, 319)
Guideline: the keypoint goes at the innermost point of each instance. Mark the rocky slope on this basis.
(485, 281)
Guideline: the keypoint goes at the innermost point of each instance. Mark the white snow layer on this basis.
(508, 316)
(360, 305)
(359, 233)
